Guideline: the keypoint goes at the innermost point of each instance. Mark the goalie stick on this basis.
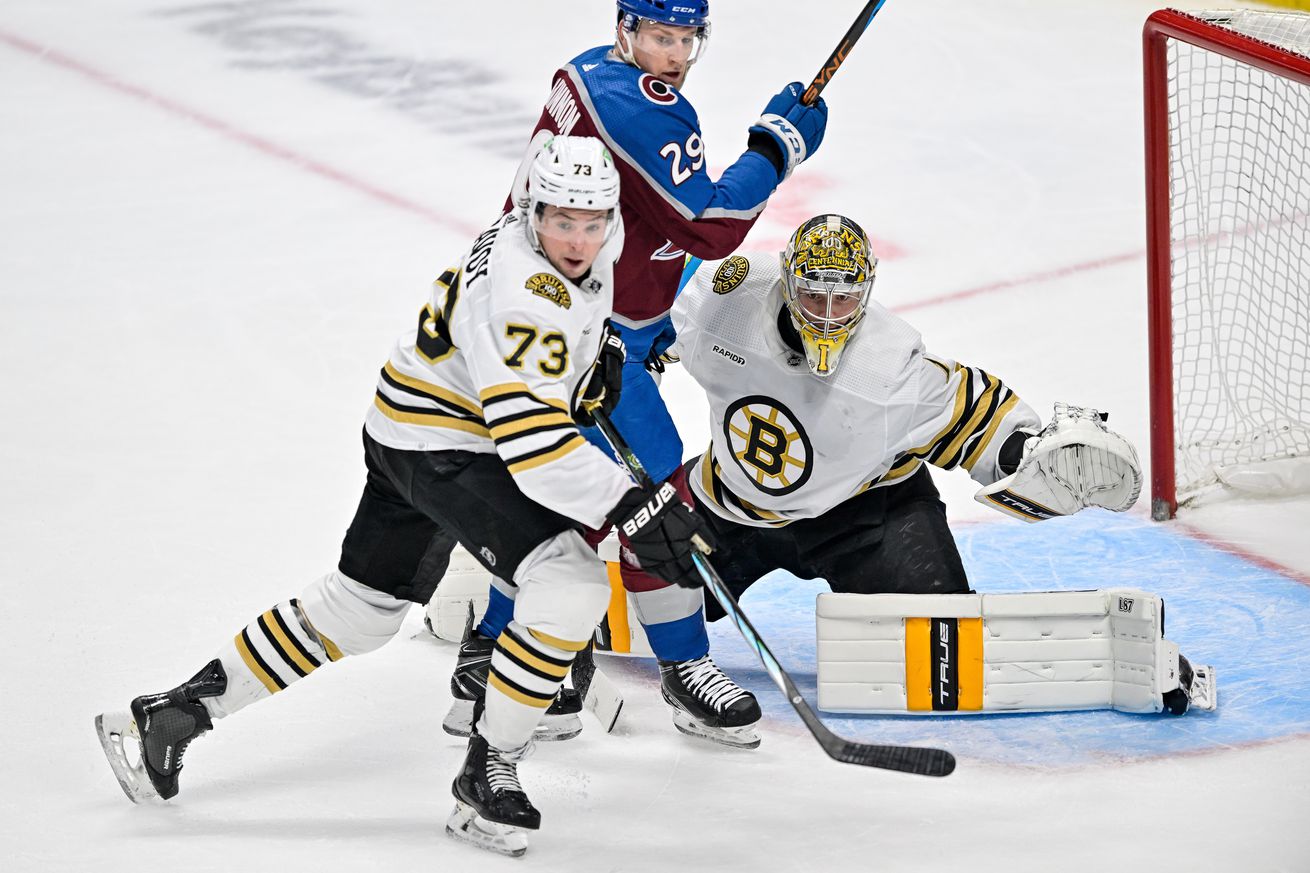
(811, 95)
(906, 759)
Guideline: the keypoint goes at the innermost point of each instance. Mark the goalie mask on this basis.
(827, 276)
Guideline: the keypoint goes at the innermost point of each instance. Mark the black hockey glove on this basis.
(659, 527)
(602, 389)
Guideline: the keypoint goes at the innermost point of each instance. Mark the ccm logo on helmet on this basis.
(656, 91)
(652, 508)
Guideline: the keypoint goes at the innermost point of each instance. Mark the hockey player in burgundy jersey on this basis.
(628, 94)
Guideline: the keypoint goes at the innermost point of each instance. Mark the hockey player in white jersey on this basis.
(472, 437)
(826, 409)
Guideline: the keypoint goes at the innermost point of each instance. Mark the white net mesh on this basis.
(1240, 250)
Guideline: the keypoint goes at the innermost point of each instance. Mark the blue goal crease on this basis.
(1247, 621)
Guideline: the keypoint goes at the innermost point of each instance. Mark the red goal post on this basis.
(1227, 112)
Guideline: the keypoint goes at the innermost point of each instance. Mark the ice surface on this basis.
(215, 217)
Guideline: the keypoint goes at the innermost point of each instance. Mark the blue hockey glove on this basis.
(795, 129)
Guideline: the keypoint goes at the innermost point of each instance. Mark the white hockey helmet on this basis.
(572, 172)
(827, 276)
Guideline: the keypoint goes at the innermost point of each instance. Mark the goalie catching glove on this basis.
(1073, 463)
(659, 528)
(602, 388)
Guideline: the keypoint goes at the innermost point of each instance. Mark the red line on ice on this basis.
(254, 141)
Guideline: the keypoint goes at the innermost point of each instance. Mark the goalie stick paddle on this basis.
(906, 759)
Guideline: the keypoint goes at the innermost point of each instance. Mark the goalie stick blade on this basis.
(904, 759)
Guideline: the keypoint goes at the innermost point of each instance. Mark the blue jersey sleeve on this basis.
(655, 130)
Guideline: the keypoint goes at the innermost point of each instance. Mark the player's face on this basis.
(664, 50)
(571, 238)
(822, 309)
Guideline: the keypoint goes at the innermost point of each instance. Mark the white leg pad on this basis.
(352, 616)
(466, 581)
(967, 653)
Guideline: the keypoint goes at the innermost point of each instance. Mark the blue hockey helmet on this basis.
(682, 13)
(676, 13)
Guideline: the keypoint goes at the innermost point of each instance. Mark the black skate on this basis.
(162, 725)
(1196, 688)
(491, 809)
(469, 684)
(706, 703)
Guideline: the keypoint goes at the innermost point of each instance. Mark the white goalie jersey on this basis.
(498, 358)
(788, 445)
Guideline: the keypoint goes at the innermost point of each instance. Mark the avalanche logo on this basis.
(768, 444)
(656, 91)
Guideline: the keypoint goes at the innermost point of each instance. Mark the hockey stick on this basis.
(907, 759)
(811, 95)
(838, 56)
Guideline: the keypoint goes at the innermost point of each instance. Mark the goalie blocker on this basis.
(944, 654)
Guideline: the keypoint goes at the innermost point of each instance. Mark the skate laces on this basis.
(704, 679)
(502, 775)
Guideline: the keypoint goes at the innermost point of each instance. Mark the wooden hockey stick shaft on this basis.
(839, 54)
(907, 759)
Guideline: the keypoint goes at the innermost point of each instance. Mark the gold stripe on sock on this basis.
(566, 645)
(494, 681)
(531, 659)
(246, 655)
(288, 648)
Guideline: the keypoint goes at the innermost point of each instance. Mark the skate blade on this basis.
(1204, 693)
(115, 730)
(744, 737)
(551, 728)
(467, 826)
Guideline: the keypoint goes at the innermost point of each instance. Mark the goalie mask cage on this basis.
(1228, 247)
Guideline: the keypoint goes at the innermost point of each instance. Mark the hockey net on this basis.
(1228, 211)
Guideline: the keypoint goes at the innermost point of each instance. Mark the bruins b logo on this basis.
(730, 274)
(550, 287)
(768, 444)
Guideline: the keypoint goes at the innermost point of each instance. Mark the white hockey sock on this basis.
(267, 655)
(527, 669)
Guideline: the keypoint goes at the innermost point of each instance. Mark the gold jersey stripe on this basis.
(576, 442)
(436, 391)
(255, 667)
(429, 419)
(961, 395)
(288, 648)
(918, 664)
(566, 645)
(969, 670)
(975, 421)
(487, 395)
(527, 658)
(501, 431)
(494, 681)
(985, 440)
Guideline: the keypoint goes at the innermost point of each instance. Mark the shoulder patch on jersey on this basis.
(656, 91)
(730, 274)
(550, 287)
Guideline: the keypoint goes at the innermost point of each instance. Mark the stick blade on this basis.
(904, 759)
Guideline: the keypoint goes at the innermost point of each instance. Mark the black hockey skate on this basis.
(491, 809)
(163, 725)
(706, 703)
(1196, 688)
(469, 683)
